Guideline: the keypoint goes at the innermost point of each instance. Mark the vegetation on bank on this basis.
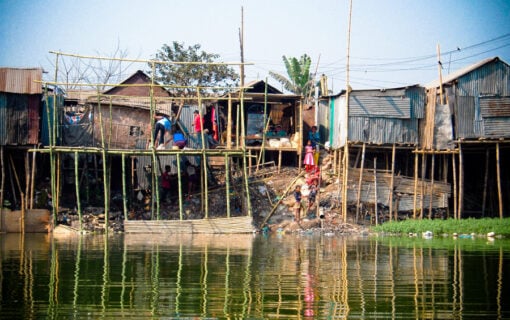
(449, 226)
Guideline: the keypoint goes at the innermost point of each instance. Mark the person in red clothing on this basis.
(197, 122)
(165, 184)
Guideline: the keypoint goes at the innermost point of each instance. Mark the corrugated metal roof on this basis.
(22, 81)
(461, 72)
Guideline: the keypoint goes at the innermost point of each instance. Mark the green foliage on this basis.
(188, 76)
(299, 80)
(449, 226)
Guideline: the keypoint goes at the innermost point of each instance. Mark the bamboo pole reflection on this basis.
(77, 276)
(123, 276)
(52, 283)
(178, 290)
(246, 287)
(105, 286)
(227, 283)
(392, 281)
(455, 282)
(203, 281)
(155, 280)
(499, 284)
(360, 283)
(416, 286)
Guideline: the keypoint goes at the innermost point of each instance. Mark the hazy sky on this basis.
(393, 43)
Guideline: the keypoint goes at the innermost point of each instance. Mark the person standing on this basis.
(198, 122)
(165, 184)
(309, 161)
(162, 125)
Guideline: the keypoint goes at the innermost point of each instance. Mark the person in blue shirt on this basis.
(179, 139)
(162, 125)
(314, 136)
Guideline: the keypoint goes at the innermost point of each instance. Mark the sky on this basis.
(393, 43)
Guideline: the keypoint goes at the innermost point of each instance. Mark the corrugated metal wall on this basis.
(482, 103)
(19, 118)
(22, 81)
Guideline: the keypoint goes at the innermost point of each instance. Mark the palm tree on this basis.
(299, 80)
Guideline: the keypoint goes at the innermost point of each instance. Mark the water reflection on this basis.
(251, 276)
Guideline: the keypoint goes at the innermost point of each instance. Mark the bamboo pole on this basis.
(423, 168)
(431, 185)
(344, 181)
(179, 183)
(229, 122)
(27, 180)
(416, 159)
(124, 193)
(461, 182)
(439, 67)
(454, 173)
(392, 181)
(32, 182)
(77, 188)
(104, 158)
(360, 182)
(375, 192)
(227, 183)
(498, 172)
(485, 181)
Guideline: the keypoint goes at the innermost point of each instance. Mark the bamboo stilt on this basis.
(498, 172)
(179, 183)
(461, 182)
(124, 193)
(416, 159)
(392, 181)
(375, 192)
(27, 180)
(32, 182)
(360, 181)
(345, 182)
(431, 195)
(423, 167)
(227, 183)
(77, 188)
(485, 181)
(454, 173)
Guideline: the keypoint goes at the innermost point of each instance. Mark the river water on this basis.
(284, 276)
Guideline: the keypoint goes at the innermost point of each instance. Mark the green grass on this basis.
(449, 226)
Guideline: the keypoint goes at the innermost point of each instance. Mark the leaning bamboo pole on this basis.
(498, 173)
(375, 192)
(32, 181)
(360, 181)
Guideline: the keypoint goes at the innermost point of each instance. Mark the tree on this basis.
(187, 76)
(76, 71)
(299, 80)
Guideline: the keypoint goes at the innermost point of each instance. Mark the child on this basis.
(309, 160)
(192, 177)
(297, 205)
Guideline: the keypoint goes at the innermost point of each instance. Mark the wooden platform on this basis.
(208, 226)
